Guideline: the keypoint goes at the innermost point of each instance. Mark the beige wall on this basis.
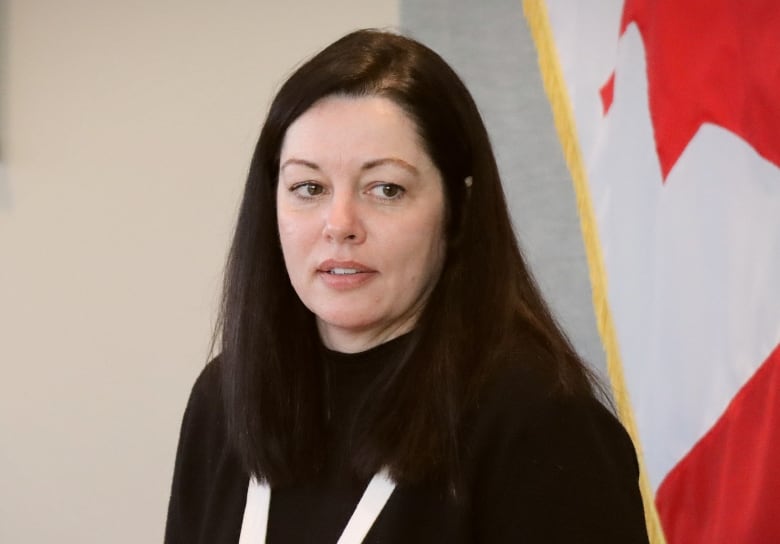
(126, 134)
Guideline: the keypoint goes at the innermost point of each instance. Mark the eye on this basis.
(388, 191)
(307, 189)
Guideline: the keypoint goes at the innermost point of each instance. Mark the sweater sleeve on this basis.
(564, 472)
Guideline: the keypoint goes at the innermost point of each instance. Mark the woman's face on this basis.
(361, 213)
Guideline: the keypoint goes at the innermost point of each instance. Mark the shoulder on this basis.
(551, 466)
(205, 465)
(524, 401)
(203, 430)
(522, 407)
(206, 392)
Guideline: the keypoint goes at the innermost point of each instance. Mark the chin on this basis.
(347, 321)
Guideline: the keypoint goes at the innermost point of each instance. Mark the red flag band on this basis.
(669, 118)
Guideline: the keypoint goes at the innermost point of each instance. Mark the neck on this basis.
(351, 341)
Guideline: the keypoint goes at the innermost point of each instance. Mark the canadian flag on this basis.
(669, 116)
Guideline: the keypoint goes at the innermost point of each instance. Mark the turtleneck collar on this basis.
(382, 353)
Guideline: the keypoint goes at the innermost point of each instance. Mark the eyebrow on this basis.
(301, 162)
(390, 160)
(366, 166)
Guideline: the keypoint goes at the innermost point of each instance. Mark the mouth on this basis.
(343, 268)
(345, 275)
(342, 271)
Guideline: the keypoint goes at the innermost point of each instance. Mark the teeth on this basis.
(343, 271)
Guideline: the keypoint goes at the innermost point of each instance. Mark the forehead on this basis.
(360, 128)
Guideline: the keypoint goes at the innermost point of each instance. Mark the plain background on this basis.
(126, 130)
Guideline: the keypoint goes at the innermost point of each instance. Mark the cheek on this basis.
(286, 230)
(436, 255)
(292, 242)
(437, 247)
(426, 253)
(297, 224)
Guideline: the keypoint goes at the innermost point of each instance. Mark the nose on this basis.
(343, 222)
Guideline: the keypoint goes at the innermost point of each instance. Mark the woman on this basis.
(383, 340)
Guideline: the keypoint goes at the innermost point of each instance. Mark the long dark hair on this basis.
(483, 305)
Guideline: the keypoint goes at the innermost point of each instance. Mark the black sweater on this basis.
(539, 467)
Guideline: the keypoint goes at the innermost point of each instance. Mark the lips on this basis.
(344, 275)
(343, 267)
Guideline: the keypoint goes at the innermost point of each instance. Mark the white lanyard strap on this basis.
(258, 503)
(367, 510)
(255, 523)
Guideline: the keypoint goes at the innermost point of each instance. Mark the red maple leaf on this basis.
(709, 61)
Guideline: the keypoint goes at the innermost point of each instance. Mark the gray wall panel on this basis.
(489, 45)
